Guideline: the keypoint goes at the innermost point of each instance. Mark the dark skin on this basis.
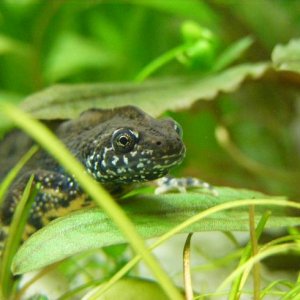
(119, 148)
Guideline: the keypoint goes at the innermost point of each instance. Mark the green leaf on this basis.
(155, 97)
(232, 53)
(246, 254)
(287, 57)
(38, 297)
(152, 216)
(13, 173)
(14, 237)
(133, 289)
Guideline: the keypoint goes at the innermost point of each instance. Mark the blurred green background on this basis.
(58, 41)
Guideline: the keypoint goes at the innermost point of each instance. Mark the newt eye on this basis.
(178, 129)
(124, 139)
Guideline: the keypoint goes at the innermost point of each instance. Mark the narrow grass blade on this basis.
(274, 250)
(15, 171)
(97, 291)
(236, 285)
(14, 238)
(188, 286)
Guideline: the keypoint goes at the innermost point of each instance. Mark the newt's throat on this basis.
(132, 167)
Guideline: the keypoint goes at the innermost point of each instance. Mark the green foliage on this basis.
(14, 239)
(5, 184)
(92, 228)
(63, 102)
(63, 57)
(287, 57)
(247, 252)
(130, 288)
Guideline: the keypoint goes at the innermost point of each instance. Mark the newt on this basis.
(119, 147)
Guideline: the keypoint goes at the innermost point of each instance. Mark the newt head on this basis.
(127, 145)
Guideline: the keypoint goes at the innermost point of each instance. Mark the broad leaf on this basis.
(131, 289)
(155, 97)
(152, 216)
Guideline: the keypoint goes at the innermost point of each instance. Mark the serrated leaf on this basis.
(287, 57)
(155, 97)
(152, 216)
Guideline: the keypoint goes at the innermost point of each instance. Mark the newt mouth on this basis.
(168, 161)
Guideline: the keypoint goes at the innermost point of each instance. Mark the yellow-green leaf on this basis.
(152, 216)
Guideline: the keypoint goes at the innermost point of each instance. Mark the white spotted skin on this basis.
(125, 160)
